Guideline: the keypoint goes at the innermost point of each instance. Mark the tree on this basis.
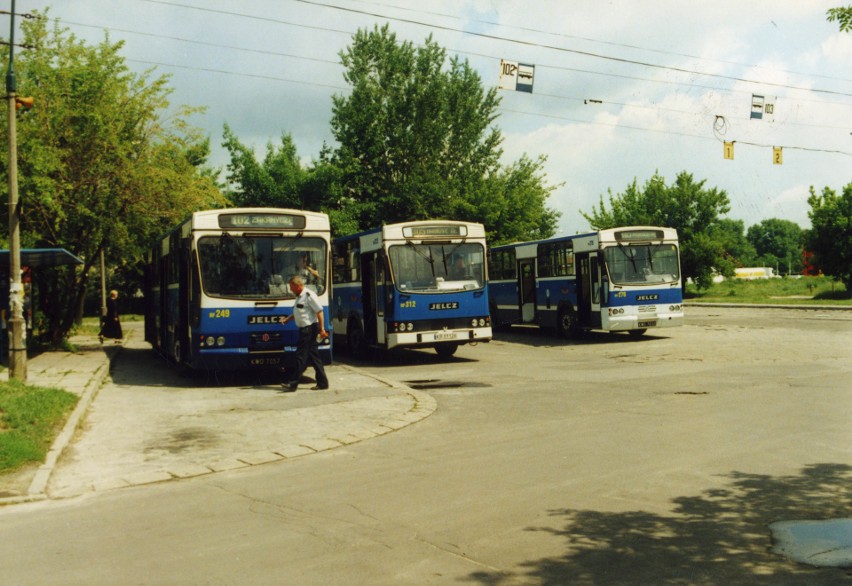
(842, 15)
(100, 167)
(416, 141)
(274, 182)
(687, 206)
(738, 251)
(778, 243)
(830, 236)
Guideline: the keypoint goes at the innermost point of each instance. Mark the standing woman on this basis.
(111, 326)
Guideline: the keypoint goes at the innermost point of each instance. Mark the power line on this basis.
(337, 87)
(602, 42)
(670, 132)
(205, 43)
(324, 29)
(561, 49)
(239, 74)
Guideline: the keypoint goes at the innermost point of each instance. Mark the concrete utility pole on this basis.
(103, 286)
(18, 334)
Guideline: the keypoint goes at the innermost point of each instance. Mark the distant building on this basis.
(749, 273)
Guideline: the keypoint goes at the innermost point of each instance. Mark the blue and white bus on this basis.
(621, 279)
(419, 284)
(217, 286)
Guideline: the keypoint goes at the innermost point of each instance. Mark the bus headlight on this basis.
(674, 307)
(210, 341)
(410, 327)
(220, 341)
(616, 311)
(473, 322)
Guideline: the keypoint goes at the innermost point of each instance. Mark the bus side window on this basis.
(354, 265)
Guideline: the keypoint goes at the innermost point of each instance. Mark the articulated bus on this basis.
(217, 286)
(622, 279)
(419, 284)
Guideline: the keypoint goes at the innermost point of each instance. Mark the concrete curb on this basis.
(38, 486)
(421, 406)
(769, 306)
(37, 490)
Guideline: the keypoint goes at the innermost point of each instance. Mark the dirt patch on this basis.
(17, 483)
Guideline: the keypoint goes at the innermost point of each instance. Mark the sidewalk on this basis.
(133, 431)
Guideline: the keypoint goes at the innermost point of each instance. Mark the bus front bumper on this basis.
(242, 358)
(620, 323)
(435, 338)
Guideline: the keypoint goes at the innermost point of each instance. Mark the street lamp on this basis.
(17, 337)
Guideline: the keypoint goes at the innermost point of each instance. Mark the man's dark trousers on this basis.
(307, 354)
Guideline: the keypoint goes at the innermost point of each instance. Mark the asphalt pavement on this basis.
(135, 426)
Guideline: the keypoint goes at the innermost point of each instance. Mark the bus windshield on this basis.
(642, 264)
(260, 267)
(432, 268)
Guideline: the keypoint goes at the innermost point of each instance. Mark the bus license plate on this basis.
(446, 336)
(647, 324)
(264, 361)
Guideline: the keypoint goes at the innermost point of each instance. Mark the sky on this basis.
(622, 89)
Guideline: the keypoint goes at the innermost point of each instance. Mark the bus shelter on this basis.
(32, 259)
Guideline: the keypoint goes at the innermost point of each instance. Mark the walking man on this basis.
(307, 312)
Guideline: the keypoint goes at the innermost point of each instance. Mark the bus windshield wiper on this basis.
(632, 259)
(420, 253)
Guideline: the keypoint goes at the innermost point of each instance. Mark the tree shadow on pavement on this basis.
(719, 537)
(153, 370)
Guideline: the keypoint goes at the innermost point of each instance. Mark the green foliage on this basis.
(274, 182)
(101, 168)
(778, 243)
(29, 417)
(685, 205)
(417, 142)
(830, 237)
(842, 15)
(778, 291)
(738, 251)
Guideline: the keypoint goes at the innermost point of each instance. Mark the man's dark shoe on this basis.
(320, 388)
(289, 387)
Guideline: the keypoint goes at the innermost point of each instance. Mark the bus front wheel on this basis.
(176, 352)
(446, 350)
(355, 340)
(567, 325)
(637, 333)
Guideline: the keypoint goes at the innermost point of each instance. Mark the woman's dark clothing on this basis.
(111, 326)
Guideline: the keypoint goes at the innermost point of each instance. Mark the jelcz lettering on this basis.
(263, 319)
(447, 305)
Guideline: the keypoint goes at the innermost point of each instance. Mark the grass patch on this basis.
(30, 417)
(783, 291)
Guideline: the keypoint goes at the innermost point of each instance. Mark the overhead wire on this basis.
(600, 41)
(560, 49)
(326, 29)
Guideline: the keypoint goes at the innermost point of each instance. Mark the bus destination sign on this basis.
(261, 221)
(433, 231)
(638, 235)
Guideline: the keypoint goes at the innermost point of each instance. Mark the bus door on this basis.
(182, 324)
(596, 289)
(589, 289)
(368, 295)
(526, 281)
(379, 291)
